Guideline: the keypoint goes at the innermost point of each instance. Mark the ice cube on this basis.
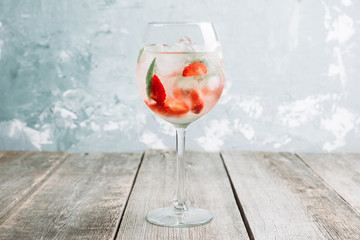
(184, 44)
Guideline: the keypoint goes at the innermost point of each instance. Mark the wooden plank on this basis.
(208, 188)
(283, 199)
(83, 199)
(341, 171)
(21, 173)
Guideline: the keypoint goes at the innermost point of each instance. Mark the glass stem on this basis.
(180, 203)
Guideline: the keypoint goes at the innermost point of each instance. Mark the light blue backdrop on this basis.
(67, 75)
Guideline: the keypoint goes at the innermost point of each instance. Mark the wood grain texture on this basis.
(21, 173)
(83, 199)
(283, 199)
(208, 187)
(341, 171)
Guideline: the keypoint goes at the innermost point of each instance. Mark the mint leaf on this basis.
(149, 76)
(140, 54)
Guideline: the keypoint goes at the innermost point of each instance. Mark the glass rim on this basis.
(202, 32)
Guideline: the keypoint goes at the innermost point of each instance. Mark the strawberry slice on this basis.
(197, 104)
(194, 69)
(180, 93)
(170, 108)
(175, 107)
(192, 95)
(156, 107)
(157, 92)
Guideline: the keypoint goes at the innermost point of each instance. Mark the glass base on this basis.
(170, 217)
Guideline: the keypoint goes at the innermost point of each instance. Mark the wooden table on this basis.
(253, 195)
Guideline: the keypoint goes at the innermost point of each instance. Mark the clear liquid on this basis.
(197, 93)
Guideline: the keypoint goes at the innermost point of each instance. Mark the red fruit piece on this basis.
(192, 95)
(175, 107)
(197, 104)
(156, 107)
(180, 93)
(157, 92)
(170, 108)
(194, 69)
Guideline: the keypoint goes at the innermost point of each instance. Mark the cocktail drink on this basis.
(180, 81)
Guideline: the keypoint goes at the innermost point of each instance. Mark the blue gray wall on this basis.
(67, 75)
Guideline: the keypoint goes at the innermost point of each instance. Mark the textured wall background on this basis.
(67, 75)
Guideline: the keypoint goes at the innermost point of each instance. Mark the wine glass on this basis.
(180, 76)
